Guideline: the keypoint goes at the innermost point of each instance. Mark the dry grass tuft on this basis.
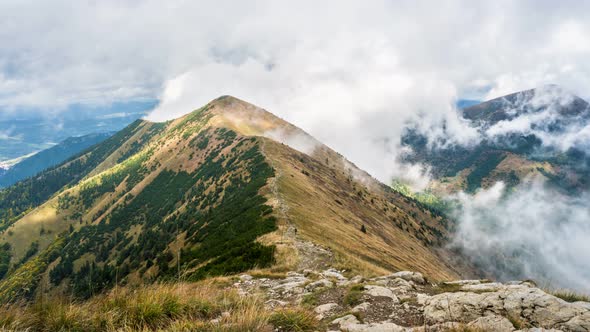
(354, 295)
(294, 320)
(569, 296)
(205, 306)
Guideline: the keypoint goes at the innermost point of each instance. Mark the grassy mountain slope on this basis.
(32, 192)
(212, 193)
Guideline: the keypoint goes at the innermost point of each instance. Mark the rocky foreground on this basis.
(406, 301)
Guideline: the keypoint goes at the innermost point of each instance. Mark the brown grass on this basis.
(517, 322)
(569, 296)
(319, 218)
(205, 306)
(294, 320)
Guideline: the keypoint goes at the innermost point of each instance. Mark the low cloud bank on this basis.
(530, 232)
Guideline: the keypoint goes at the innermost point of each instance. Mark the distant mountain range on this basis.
(463, 103)
(522, 135)
(26, 131)
(31, 165)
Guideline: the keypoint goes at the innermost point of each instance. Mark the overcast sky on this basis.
(349, 72)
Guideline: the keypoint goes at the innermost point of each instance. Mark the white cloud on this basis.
(351, 73)
(532, 232)
(543, 116)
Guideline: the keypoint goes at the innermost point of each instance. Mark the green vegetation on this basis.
(193, 122)
(131, 170)
(217, 209)
(200, 141)
(32, 192)
(178, 307)
(425, 199)
(22, 283)
(294, 320)
(570, 296)
(444, 287)
(50, 157)
(32, 251)
(354, 295)
(5, 255)
(483, 168)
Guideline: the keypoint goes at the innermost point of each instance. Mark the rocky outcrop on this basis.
(521, 302)
(405, 301)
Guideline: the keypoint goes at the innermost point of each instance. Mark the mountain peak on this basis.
(228, 100)
(214, 192)
(242, 117)
(548, 97)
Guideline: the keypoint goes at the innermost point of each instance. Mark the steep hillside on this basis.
(49, 158)
(32, 192)
(216, 192)
(524, 135)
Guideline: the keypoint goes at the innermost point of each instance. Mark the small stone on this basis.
(375, 327)
(357, 280)
(322, 283)
(343, 322)
(246, 277)
(333, 273)
(291, 284)
(421, 298)
(323, 310)
(363, 307)
(382, 282)
(378, 291)
(275, 303)
(410, 276)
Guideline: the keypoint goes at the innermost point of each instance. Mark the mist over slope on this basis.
(520, 190)
(532, 232)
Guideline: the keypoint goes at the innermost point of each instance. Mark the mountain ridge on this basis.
(527, 101)
(213, 192)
